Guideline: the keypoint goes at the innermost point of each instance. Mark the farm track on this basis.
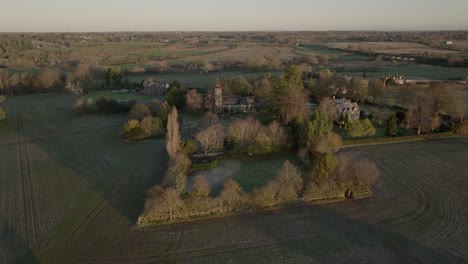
(27, 193)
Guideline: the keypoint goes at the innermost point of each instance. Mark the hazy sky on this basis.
(219, 15)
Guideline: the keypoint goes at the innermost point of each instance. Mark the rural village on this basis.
(234, 147)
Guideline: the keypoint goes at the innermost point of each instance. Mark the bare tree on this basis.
(173, 134)
(193, 100)
(211, 138)
(49, 78)
(201, 186)
(376, 89)
(164, 204)
(288, 174)
(329, 106)
(330, 143)
(277, 134)
(293, 104)
(243, 132)
(232, 195)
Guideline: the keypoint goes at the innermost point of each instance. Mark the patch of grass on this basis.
(255, 172)
(116, 96)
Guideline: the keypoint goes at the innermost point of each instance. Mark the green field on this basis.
(255, 172)
(116, 96)
(60, 174)
(320, 50)
(71, 191)
(411, 71)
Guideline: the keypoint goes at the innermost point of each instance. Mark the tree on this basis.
(277, 134)
(405, 94)
(313, 130)
(133, 131)
(113, 76)
(173, 134)
(211, 138)
(232, 195)
(360, 128)
(175, 95)
(2, 113)
(139, 111)
(329, 106)
(292, 75)
(164, 204)
(392, 126)
(193, 100)
(164, 111)
(201, 186)
(330, 143)
(323, 167)
(263, 88)
(357, 88)
(293, 104)
(152, 126)
(242, 132)
(49, 79)
(288, 174)
(376, 89)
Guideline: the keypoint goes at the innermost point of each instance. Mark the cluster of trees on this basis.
(142, 124)
(246, 136)
(15, 45)
(82, 78)
(348, 178)
(2, 112)
(101, 105)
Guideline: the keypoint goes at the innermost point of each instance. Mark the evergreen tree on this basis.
(392, 126)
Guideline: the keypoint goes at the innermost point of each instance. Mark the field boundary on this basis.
(393, 140)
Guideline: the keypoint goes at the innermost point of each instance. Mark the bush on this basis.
(462, 128)
(139, 111)
(205, 166)
(133, 131)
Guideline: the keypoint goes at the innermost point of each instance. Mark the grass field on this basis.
(255, 172)
(58, 172)
(116, 96)
(411, 71)
(71, 191)
(393, 48)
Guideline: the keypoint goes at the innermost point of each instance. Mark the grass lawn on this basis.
(255, 172)
(116, 96)
(413, 71)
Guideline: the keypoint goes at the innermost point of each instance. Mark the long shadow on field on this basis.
(67, 161)
(12, 245)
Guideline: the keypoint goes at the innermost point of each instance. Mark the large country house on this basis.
(346, 107)
(232, 103)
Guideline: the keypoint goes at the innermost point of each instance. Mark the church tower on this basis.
(218, 93)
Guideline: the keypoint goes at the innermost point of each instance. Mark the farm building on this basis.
(346, 107)
(233, 103)
(153, 87)
(395, 79)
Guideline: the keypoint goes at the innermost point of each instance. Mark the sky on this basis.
(233, 15)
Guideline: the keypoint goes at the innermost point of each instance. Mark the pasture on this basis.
(392, 48)
(71, 191)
